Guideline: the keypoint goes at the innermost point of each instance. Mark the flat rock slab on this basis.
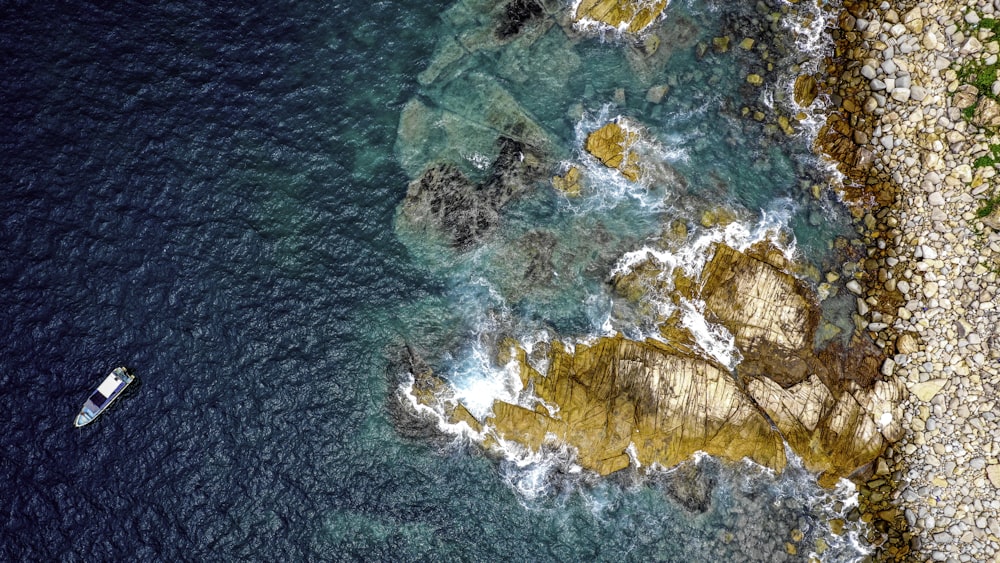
(926, 390)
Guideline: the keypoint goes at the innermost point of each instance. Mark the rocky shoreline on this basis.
(915, 96)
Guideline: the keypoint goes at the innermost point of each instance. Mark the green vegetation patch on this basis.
(977, 72)
(989, 159)
(980, 75)
(988, 207)
(968, 112)
(991, 24)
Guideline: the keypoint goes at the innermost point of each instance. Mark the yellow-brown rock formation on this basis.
(568, 183)
(658, 402)
(612, 145)
(632, 16)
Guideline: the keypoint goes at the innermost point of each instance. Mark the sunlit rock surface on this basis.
(621, 402)
(632, 16)
(612, 144)
(618, 392)
(805, 90)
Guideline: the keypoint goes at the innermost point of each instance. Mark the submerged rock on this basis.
(445, 200)
(516, 15)
(691, 485)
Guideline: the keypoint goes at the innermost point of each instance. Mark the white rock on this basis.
(932, 161)
(854, 287)
(964, 173)
(930, 289)
(971, 47)
(930, 41)
(936, 199)
(901, 94)
(929, 252)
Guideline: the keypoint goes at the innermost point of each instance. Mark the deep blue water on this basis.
(205, 192)
(178, 196)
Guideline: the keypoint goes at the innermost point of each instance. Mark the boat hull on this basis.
(101, 398)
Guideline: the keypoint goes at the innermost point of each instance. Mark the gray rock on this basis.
(943, 538)
(445, 199)
(936, 199)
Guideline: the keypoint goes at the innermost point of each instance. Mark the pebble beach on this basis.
(919, 93)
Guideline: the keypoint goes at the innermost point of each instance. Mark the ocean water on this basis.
(208, 193)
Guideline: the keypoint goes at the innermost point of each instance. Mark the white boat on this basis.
(104, 395)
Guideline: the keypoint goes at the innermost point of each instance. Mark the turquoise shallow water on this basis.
(207, 193)
(543, 273)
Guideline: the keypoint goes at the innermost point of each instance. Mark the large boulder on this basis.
(805, 90)
(516, 15)
(612, 144)
(987, 113)
(772, 315)
(833, 434)
(618, 392)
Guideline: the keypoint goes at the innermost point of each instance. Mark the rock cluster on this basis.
(621, 402)
(917, 89)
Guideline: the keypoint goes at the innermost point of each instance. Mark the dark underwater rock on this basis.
(444, 199)
(516, 15)
(691, 485)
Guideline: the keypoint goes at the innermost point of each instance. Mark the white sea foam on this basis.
(480, 161)
(599, 310)
(691, 257)
(713, 339)
(531, 473)
(478, 384)
(807, 23)
(461, 429)
(608, 187)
